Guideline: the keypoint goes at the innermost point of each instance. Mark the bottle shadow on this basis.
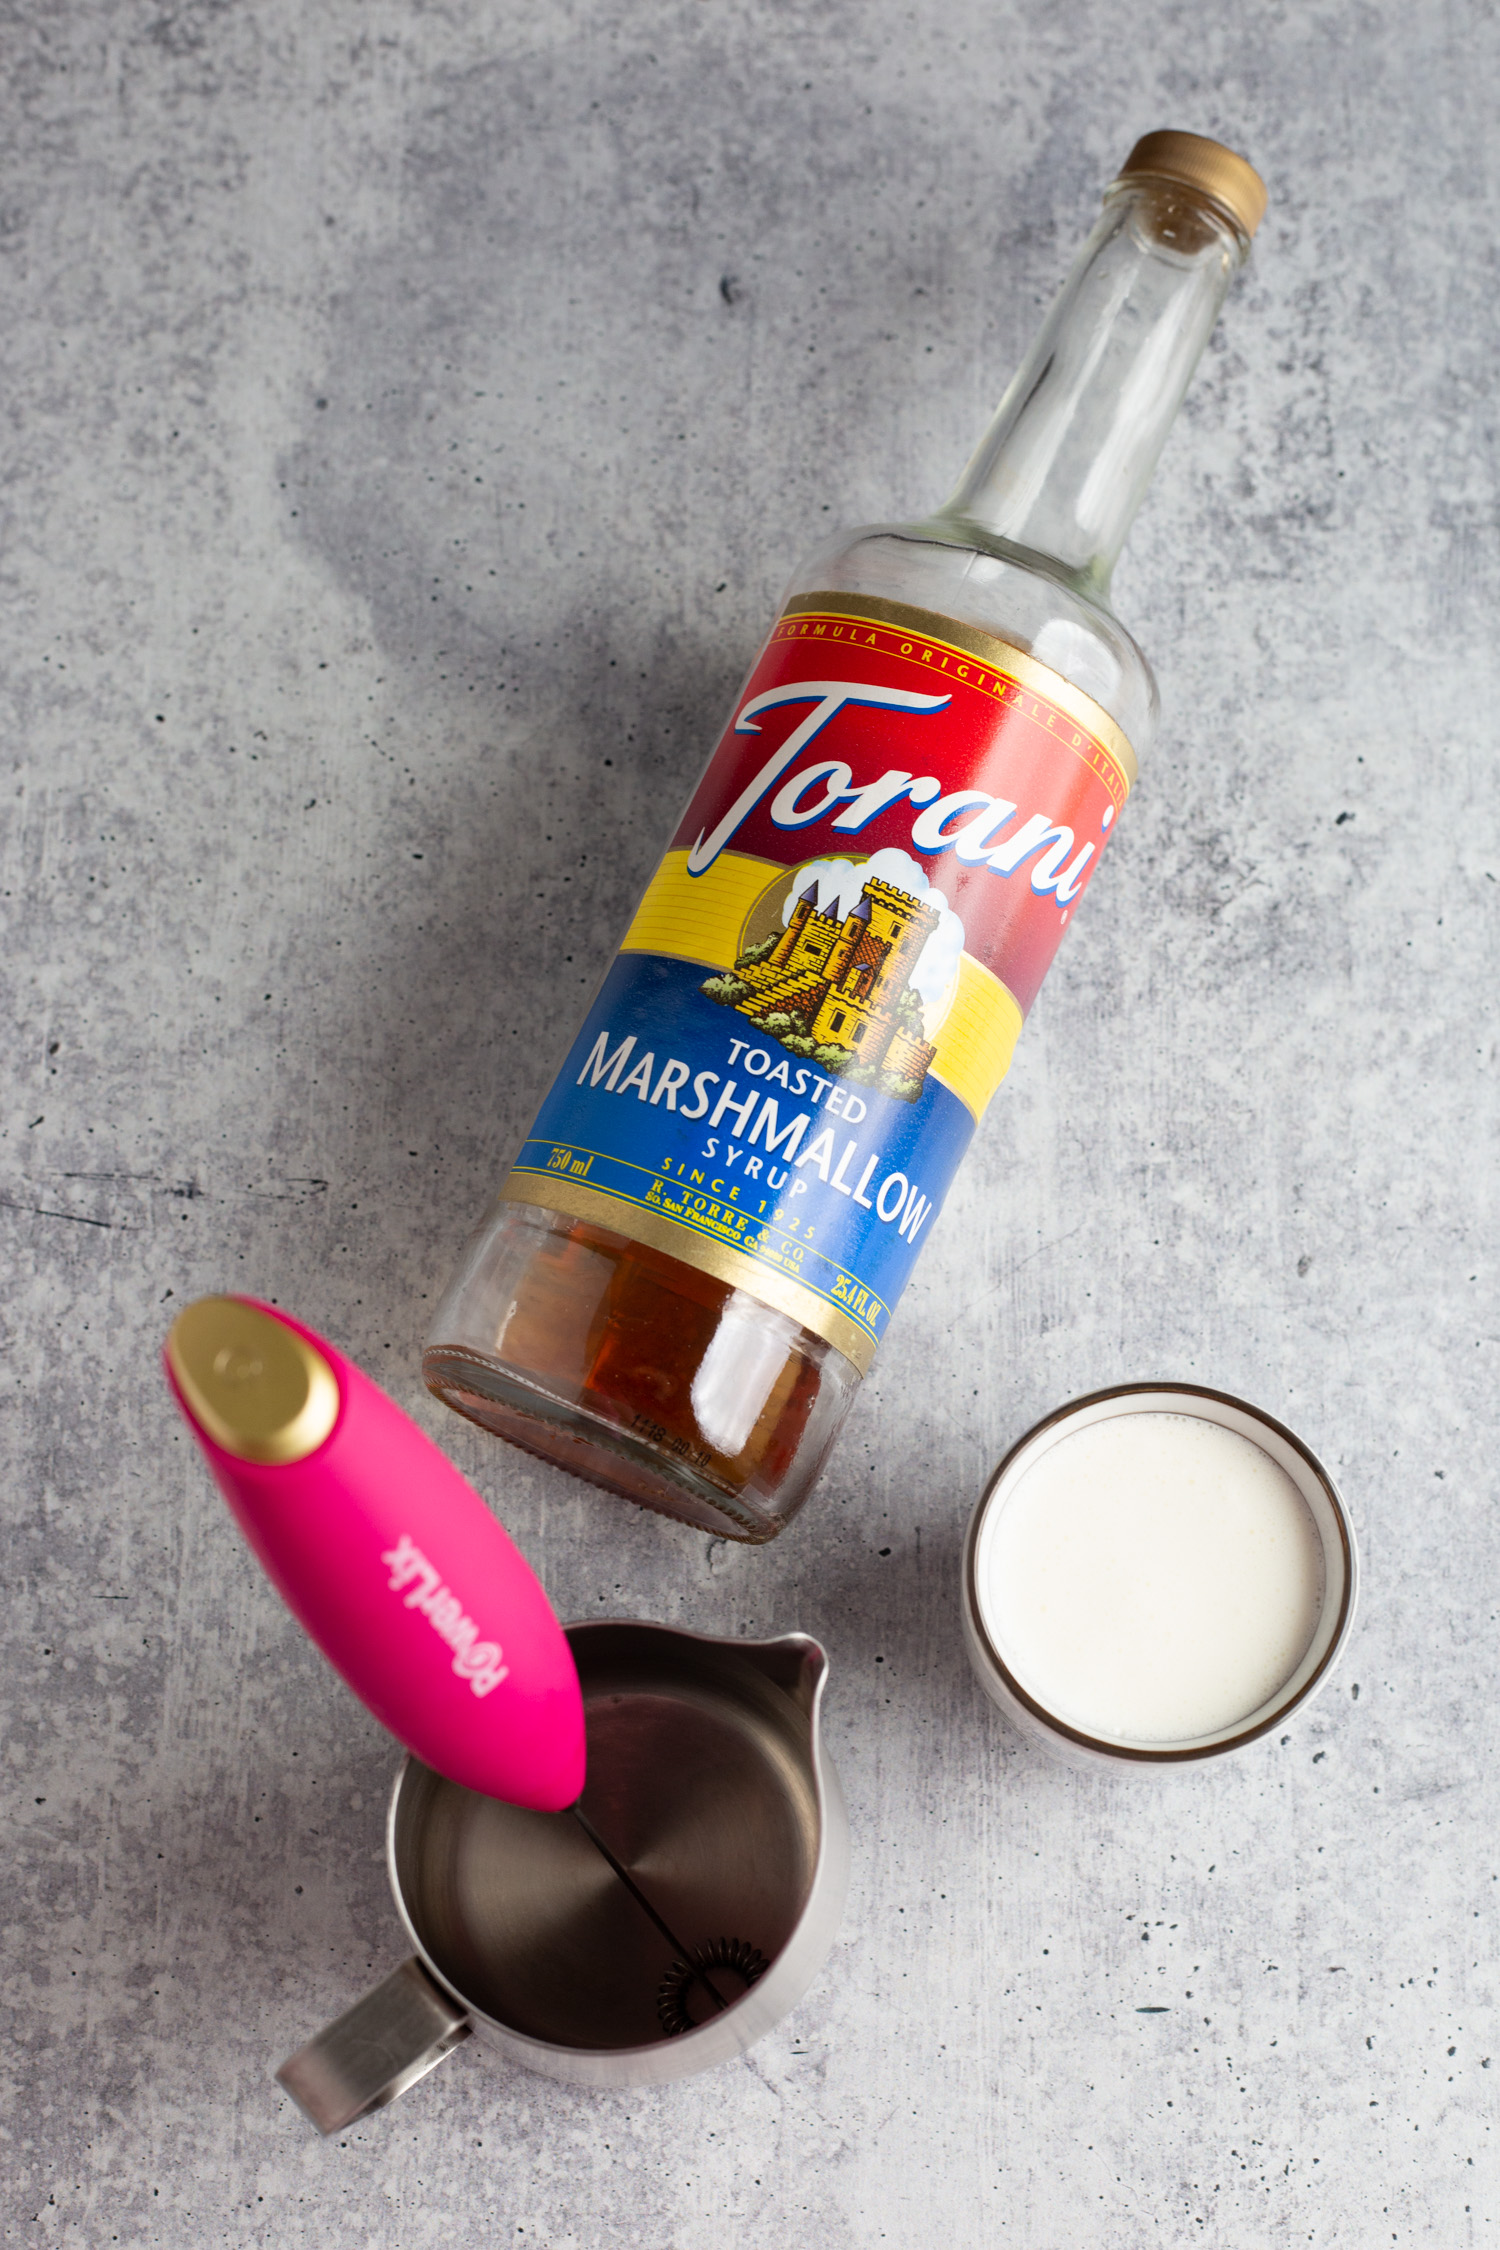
(458, 1007)
(532, 692)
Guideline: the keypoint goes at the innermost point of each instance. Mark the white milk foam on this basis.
(1152, 1578)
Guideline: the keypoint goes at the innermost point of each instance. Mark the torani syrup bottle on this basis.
(698, 1248)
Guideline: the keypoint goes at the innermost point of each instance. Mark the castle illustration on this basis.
(837, 991)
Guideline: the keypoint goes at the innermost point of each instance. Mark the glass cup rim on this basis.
(1198, 1749)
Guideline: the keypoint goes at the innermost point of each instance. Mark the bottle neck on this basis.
(1066, 461)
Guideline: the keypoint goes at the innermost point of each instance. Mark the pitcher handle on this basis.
(375, 2050)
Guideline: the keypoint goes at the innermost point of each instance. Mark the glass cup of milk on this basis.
(1156, 1575)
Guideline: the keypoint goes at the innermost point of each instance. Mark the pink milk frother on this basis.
(383, 1552)
(393, 1565)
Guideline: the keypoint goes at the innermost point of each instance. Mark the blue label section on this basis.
(666, 1104)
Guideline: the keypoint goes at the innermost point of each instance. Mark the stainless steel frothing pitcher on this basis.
(708, 1778)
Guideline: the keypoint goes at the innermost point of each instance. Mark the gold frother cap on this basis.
(257, 1388)
(1188, 160)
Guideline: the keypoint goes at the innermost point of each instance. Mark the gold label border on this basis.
(576, 1201)
(1001, 656)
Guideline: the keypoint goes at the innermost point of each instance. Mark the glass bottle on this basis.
(626, 1307)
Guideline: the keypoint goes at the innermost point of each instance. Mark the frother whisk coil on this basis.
(730, 1955)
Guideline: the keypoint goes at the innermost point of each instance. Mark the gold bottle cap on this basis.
(258, 1389)
(1188, 160)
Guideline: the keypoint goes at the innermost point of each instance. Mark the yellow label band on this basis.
(705, 917)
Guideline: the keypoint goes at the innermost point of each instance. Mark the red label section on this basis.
(857, 736)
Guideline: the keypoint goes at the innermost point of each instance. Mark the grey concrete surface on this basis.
(410, 415)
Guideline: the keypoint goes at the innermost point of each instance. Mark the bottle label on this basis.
(824, 982)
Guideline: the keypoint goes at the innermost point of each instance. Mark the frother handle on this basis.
(375, 2050)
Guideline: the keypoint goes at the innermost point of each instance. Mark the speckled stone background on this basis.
(410, 415)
